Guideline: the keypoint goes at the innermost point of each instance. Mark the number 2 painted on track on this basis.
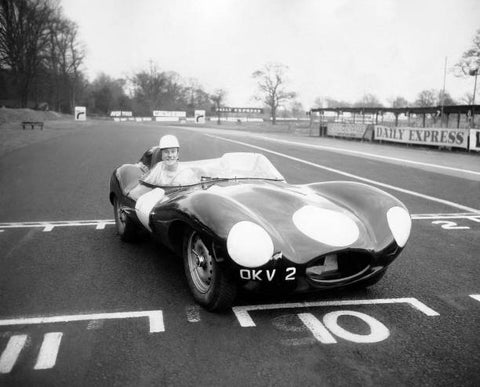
(449, 225)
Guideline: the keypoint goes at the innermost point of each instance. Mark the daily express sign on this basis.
(427, 136)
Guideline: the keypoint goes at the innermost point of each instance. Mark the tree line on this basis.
(425, 98)
(40, 55)
(42, 59)
(42, 62)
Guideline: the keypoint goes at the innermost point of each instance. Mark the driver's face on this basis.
(170, 155)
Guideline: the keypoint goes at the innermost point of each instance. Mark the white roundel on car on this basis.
(326, 226)
(249, 245)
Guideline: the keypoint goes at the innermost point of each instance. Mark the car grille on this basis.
(338, 268)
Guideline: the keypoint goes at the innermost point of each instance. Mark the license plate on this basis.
(268, 275)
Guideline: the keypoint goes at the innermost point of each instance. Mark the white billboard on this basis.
(166, 113)
(457, 138)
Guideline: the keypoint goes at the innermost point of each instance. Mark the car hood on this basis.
(302, 223)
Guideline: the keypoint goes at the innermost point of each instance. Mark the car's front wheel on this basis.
(212, 287)
(125, 227)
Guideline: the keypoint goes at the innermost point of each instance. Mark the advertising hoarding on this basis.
(345, 129)
(474, 140)
(457, 138)
(167, 113)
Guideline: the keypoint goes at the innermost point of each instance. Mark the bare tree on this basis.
(427, 98)
(64, 57)
(297, 109)
(150, 87)
(368, 100)
(446, 98)
(271, 81)
(154, 89)
(23, 38)
(470, 60)
(218, 98)
(328, 102)
(107, 94)
(399, 102)
(197, 97)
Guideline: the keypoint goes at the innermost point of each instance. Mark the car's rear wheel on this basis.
(127, 230)
(212, 287)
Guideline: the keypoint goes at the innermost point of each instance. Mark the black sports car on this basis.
(239, 223)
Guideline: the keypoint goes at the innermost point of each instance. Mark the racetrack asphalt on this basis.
(86, 270)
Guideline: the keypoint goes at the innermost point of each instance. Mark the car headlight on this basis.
(249, 245)
(400, 224)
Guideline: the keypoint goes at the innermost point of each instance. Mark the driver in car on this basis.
(164, 172)
(168, 171)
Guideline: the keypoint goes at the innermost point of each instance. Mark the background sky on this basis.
(341, 49)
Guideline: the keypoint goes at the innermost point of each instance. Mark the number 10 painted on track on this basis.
(323, 331)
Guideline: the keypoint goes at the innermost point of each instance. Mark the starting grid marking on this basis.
(245, 320)
(47, 226)
(100, 224)
(324, 332)
(155, 318)
(47, 355)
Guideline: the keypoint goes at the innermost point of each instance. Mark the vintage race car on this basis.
(239, 223)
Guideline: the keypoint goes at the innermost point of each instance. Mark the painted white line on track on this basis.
(47, 357)
(344, 150)
(12, 351)
(461, 215)
(50, 225)
(155, 318)
(317, 328)
(245, 320)
(193, 313)
(475, 296)
(101, 224)
(369, 181)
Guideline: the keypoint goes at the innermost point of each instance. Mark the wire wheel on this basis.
(211, 284)
(200, 263)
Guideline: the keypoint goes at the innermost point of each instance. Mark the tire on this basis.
(127, 230)
(211, 287)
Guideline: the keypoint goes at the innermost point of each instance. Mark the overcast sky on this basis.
(342, 48)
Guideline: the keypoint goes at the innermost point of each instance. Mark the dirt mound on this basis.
(18, 115)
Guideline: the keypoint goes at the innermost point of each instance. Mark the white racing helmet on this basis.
(169, 141)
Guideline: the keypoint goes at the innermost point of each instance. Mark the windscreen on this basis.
(238, 165)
